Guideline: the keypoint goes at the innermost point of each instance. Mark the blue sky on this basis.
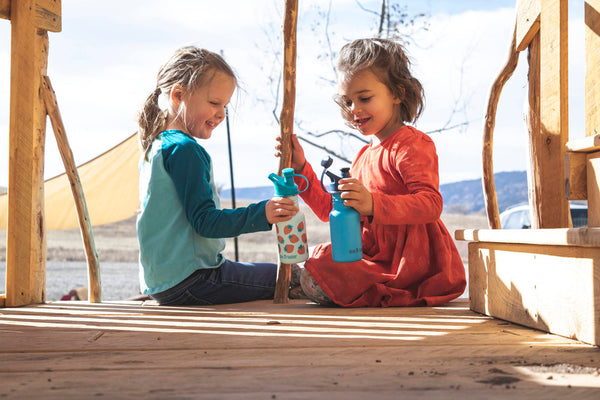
(104, 63)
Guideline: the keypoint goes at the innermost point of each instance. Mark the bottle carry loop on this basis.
(307, 184)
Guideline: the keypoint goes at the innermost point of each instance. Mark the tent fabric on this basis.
(110, 187)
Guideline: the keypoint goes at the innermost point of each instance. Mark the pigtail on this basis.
(190, 67)
(151, 120)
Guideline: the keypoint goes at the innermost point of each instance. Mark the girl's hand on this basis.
(298, 159)
(280, 209)
(357, 196)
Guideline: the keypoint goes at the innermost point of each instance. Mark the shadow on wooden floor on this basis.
(77, 350)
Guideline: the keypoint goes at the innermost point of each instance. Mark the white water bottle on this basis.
(291, 234)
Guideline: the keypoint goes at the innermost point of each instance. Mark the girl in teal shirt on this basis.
(181, 227)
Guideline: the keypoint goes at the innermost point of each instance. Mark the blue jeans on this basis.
(232, 282)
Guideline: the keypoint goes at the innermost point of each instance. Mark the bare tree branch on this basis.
(331, 52)
(339, 132)
(381, 19)
(393, 22)
(448, 128)
(328, 151)
(366, 9)
(276, 104)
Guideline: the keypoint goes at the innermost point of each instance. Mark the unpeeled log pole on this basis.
(489, 186)
(80, 204)
(286, 120)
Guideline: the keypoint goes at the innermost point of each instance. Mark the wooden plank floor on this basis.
(259, 350)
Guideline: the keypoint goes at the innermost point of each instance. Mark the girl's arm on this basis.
(190, 169)
(318, 201)
(417, 166)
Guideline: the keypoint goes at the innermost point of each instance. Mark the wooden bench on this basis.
(547, 277)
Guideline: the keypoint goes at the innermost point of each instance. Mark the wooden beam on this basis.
(593, 189)
(586, 144)
(528, 22)
(38, 239)
(533, 128)
(592, 62)
(551, 288)
(551, 209)
(576, 176)
(47, 14)
(25, 244)
(5, 9)
(580, 237)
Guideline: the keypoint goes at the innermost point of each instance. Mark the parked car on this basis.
(519, 217)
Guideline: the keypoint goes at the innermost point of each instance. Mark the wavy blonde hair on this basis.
(192, 68)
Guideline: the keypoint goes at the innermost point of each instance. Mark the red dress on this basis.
(409, 258)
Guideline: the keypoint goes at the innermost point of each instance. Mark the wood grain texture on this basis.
(593, 189)
(580, 237)
(5, 9)
(576, 176)
(532, 120)
(48, 15)
(38, 239)
(586, 144)
(24, 244)
(550, 208)
(528, 22)
(592, 63)
(552, 288)
(258, 350)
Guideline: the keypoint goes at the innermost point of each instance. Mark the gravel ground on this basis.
(119, 280)
(118, 252)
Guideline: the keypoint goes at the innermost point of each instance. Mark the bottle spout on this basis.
(285, 186)
(276, 179)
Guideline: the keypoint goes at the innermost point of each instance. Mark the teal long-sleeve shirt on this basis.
(181, 227)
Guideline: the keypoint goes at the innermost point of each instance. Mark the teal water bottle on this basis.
(344, 221)
(291, 234)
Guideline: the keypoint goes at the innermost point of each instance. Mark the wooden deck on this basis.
(259, 350)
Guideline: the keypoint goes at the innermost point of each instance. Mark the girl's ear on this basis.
(176, 95)
(400, 96)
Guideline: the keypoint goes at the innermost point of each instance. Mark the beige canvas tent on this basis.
(110, 183)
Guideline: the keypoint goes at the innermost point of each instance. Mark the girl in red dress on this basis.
(409, 258)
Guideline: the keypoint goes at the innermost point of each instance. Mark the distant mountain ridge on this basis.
(464, 197)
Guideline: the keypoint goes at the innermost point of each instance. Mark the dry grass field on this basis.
(117, 242)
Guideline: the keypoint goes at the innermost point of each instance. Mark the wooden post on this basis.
(286, 121)
(551, 208)
(533, 127)
(80, 204)
(5, 9)
(592, 66)
(26, 242)
(592, 105)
